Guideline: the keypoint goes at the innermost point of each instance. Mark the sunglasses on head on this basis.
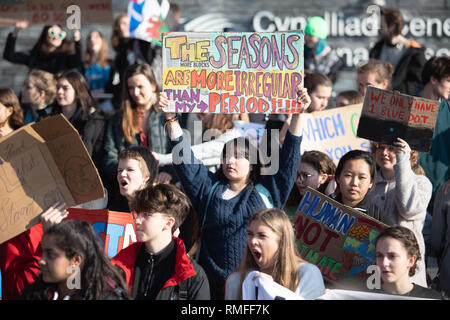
(53, 32)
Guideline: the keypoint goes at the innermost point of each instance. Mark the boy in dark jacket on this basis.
(157, 266)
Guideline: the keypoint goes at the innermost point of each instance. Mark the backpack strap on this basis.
(265, 195)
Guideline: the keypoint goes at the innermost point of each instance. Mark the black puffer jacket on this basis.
(407, 77)
(57, 62)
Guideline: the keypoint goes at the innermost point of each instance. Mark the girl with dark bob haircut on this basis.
(355, 176)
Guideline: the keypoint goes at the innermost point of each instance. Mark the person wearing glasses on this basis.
(53, 52)
(157, 266)
(316, 170)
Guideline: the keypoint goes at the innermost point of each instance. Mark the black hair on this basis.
(98, 276)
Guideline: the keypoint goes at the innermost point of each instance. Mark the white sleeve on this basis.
(310, 284)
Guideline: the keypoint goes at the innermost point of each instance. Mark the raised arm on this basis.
(9, 52)
(279, 178)
(412, 192)
(75, 59)
(295, 126)
(194, 176)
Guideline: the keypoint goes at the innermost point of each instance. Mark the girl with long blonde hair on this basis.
(271, 250)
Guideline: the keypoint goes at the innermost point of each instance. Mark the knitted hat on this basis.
(316, 27)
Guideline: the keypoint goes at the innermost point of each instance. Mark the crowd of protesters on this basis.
(212, 196)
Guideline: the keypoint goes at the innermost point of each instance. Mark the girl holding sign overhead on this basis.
(226, 201)
(403, 191)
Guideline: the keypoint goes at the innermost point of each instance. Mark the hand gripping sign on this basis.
(338, 239)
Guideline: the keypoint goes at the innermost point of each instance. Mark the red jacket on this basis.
(185, 270)
(19, 259)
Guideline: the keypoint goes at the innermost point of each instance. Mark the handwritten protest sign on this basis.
(116, 230)
(233, 72)
(336, 238)
(388, 115)
(333, 131)
(50, 12)
(147, 19)
(42, 163)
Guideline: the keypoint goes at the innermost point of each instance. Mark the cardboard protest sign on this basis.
(55, 12)
(388, 115)
(336, 238)
(147, 19)
(333, 131)
(116, 230)
(239, 72)
(42, 163)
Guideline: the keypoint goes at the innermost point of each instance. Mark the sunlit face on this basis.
(442, 87)
(319, 98)
(30, 94)
(54, 265)
(124, 27)
(141, 90)
(263, 244)
(235, 167)
(94, 41)
(354, 181)
(370, 79)
(307, 176)
(5, 113)
(130, 177)
(151, 226)
(65, 93)
(393, 260)
(55, 36)
(385, 157)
